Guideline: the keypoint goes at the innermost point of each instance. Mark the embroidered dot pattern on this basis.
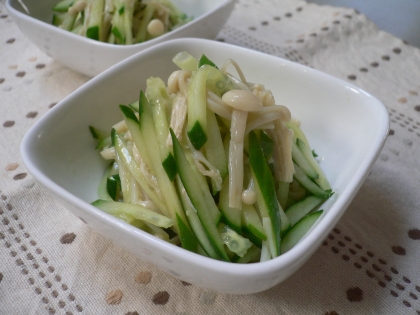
(114, 297)
(355, 294)
(67, 238)
(39, 273)
(143, 277)
(374, 267)
(161, 298)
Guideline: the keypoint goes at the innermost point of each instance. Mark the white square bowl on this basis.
(345, 125)
(91, 57)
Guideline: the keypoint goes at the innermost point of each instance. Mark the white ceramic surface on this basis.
(91, 57)
(346, 126)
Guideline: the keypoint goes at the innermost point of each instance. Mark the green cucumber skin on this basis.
(169, 166)
(265, 182)
(306, 182)
(187, 237)
(195, 224)
(322, 180)
(93, 32)
(298, 231)
(139, 212)
(63, 6)
(214, 149)
(197, 135)
(113, 186)
(197, 198)
(206, 61)
(251, 222)
(303, 163)
(298, 210)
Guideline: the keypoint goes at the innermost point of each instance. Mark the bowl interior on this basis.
(346, 126)
(343, 123)
(41, 10)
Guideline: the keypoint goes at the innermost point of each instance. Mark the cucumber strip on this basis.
(159, 100)
(167, 187)
(124, 175)
(297, 132)
(102, 144)
(266, 194)
(283, 193)
(206, 61)
(217, 81)
(195, 223)
(267, 145)
(187, 237)
(158, 232)
(232, 216)
(196, 193)
(252, 255)
(265, 252)
(128, 21)
(68, 21)
(118, 29)
(306, 182)
(97, 134)
(102, 136)
(176, 16)
(197, 107)
(185, 61)
(285, 222)
(214, 149)
(134, 169)
(235, 242)
(103, 187)
(133, 125)
(94, 27)
(252, 224)
(113, 186)
(63, 6)
(201, 180)
(135, 105)
(298, 231)
(146, 130)
(302, 208)
(322, 180)
(148, 13)
(139, 212)
(303, 163)
(58, 19)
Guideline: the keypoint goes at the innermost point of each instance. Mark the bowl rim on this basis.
(167, 36)
(317, 233)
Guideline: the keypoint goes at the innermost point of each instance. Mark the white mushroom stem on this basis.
(236, 165)
(266, 115)
(216, 105)
(173, 85)
(242, 102)
(249, 196)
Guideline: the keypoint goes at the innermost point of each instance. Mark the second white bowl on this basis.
(91, 57)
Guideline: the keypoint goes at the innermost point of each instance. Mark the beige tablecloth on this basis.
(52, 263)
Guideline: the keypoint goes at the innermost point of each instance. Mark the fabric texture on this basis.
(52, 263)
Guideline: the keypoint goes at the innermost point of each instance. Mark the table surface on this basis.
(400, 18)
(52, 263)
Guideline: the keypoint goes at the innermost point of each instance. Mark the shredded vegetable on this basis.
(208, 161)
(122, 22)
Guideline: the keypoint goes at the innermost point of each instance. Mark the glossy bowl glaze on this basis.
(91, 57)
(346, 126)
